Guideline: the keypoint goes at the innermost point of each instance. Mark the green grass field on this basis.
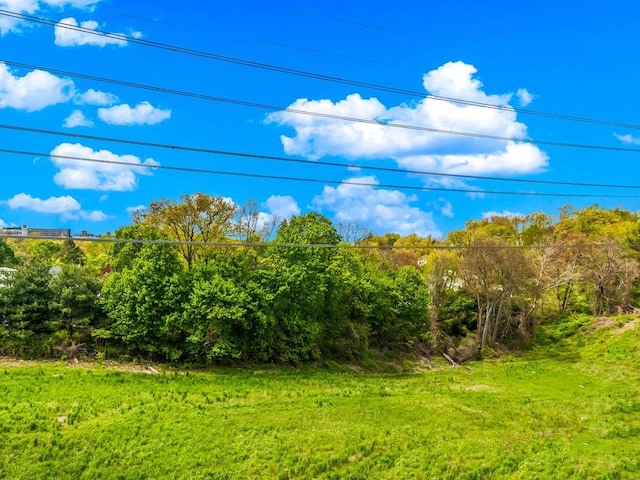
(570, 408)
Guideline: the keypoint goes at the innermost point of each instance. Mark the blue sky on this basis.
(544, 56)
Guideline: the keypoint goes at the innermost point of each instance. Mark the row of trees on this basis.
(490, 283)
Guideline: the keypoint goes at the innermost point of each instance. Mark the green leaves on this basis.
(7, 257)
(139, 300)
(75, 306)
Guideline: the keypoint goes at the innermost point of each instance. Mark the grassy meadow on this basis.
(568, 408)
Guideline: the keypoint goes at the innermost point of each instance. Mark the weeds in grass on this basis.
(538, 416)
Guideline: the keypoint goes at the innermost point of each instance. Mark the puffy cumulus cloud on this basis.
(34, 91)
(77, 119)
(456, 80)
(76, 174)
(92, 216)
(627, 139)
(316, 137)
(142, 114)
(503, 213)
(382, 210)
(516, 158)
(14, 25)
(95, 97)
(54, 205)
(278, 207)
(282, 205)
(524, 97)
(3, 223)
(67, 207)
(68, 37)
(10, 24)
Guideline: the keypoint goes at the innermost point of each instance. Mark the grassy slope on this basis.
(570, 408)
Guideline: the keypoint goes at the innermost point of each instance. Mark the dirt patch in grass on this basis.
(601, 322)
(148, 369)
(626, 327)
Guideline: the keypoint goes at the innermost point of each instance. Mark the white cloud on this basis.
(504, 213)
(34, 91)
(53, 205)
(79, 4)
(284, 206)
(10, 24)
(446, 208)
(627, 139)
(14, 25)
(77, 119)
(316, 137)
(278, 207)
(76, 174)
(95, 97)
(456, 80)
(136, 208)
(2, 223)
(67, 207)
(142, 114)
(381, 210)
(515, 158)
(93, 216)
(524, 97)
(67, 37)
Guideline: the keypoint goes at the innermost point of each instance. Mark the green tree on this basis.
(298, 279)
(197, 218)
(75, 303)
(124, 253)
(499, 278)
(141, 300)
(344, 332)
(413, 302)
(44, 251)
(25, 314)
(398, 308)
(7, 256)
(216, 316)
(71, 254)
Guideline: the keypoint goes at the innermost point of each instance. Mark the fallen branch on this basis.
(451, 360)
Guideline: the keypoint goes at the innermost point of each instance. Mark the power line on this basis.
(296, 111)
(314, 245)
(307, 179)
(303, 73)
(342, 20)
(256, 156)
(259, 41)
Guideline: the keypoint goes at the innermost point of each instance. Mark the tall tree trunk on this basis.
(486, 331)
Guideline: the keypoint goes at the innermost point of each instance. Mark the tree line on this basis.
(496, 280)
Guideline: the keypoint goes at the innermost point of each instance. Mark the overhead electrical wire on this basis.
(77, 238)
(292, 71)
(319, 114)
(342, 20)
(311, 180)
(303, 73)
(256, 156)
(292, 160)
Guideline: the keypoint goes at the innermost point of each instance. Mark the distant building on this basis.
(25, 231)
